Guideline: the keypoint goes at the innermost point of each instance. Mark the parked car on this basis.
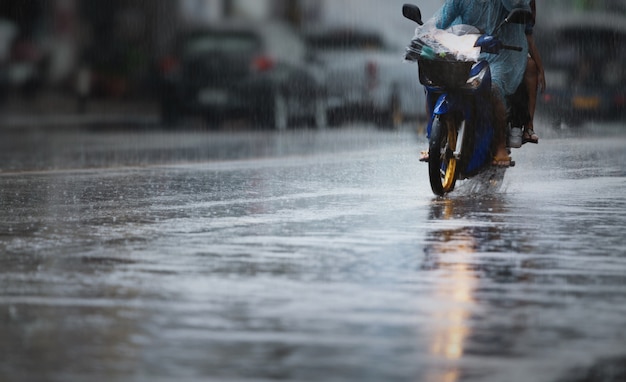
(254, 71)
(366, 77)
(22, 62)
(7, 34)
(584, 59)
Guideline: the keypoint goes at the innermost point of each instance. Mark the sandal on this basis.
(530, 136)
(503, 162)
(424, 156)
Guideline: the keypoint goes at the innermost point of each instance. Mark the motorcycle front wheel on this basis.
(442, 165)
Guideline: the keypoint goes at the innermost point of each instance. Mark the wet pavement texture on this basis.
(307, 256)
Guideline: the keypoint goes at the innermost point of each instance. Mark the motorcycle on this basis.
(458, 92)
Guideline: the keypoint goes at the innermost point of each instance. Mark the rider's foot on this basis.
(502, 158)
(530, 136)
(424, 156)
(504, 161)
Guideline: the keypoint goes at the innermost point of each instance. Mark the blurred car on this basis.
(7, 34)
(232, 71)
(28, 65)
(584, 59)
(365, 76)
(22, 61)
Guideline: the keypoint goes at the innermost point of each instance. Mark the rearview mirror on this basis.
(412, 12)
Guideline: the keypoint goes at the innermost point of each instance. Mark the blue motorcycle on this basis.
(458, 89)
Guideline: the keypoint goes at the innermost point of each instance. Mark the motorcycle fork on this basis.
(459, 141)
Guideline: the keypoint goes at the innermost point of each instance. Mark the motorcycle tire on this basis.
(442, 165)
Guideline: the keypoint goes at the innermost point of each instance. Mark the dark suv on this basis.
(258, 72)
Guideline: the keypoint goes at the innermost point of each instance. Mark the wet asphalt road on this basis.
(307, 256)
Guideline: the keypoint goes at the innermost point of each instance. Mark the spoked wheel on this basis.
(442, 165)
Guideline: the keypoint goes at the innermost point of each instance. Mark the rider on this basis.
(507, 67)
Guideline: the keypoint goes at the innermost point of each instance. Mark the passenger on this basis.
(507, 67)
(534, 77)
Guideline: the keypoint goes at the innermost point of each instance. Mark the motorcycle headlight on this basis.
(474, 82)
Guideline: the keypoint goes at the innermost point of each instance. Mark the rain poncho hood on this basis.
(508, 66)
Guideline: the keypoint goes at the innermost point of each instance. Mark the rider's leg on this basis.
(499, 110)
(532, 83)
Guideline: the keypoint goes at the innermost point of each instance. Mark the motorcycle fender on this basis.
(444, 105)
(441, 107)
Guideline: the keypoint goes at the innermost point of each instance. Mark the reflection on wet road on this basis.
(315, 256)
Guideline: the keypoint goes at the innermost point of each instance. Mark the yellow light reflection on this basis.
(454, 295)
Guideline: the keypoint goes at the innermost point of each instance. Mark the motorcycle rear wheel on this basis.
(442, 165)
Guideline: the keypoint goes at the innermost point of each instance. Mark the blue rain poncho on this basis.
(508, 67)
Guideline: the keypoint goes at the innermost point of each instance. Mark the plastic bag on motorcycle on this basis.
(445, 57)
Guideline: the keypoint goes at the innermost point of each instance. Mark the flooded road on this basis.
(307, 256)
